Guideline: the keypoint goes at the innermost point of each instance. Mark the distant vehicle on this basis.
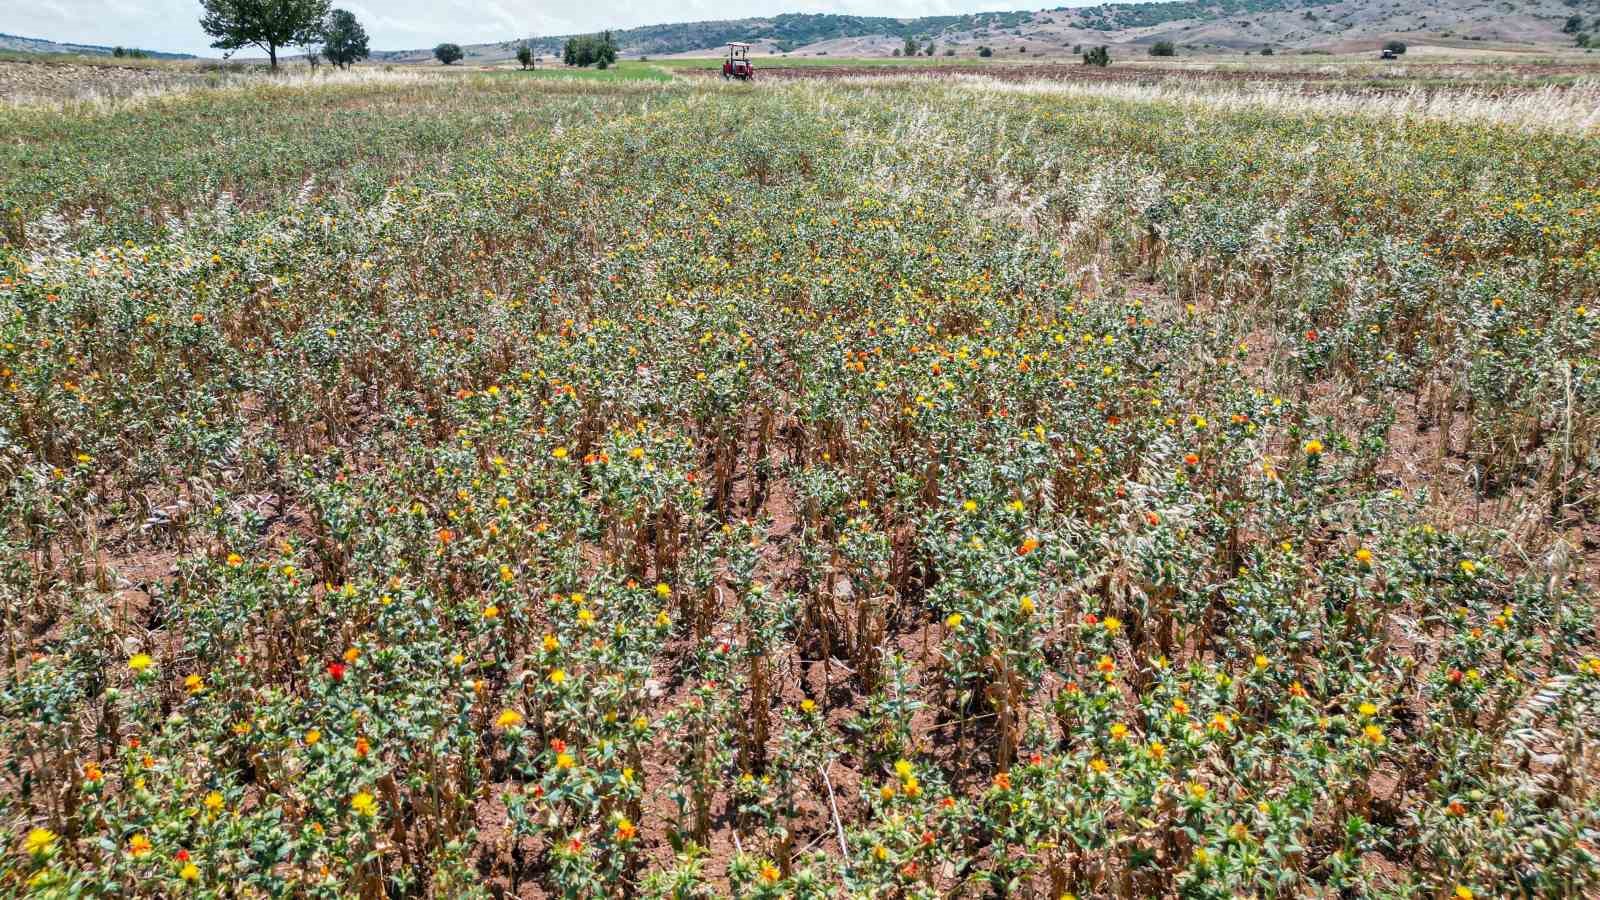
(1388, 54)
(737, 63)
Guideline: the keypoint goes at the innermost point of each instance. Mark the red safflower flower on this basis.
(336, 670)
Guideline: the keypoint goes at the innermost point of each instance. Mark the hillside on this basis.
(1196, 25)
(18, 44)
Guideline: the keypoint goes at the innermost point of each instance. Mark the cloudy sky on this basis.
(406, 24)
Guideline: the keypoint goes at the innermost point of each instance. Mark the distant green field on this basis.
(625, 70)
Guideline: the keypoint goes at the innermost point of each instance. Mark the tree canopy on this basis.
(268, 24)
(344, 41)
(590, 49)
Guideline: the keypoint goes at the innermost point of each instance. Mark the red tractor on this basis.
(737, 63)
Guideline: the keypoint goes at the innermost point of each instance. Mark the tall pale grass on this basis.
(1572, 109)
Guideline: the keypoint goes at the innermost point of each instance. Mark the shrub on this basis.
(448, 53)
(985, 52)
(1395, 47)
(1097, 56)
(524, 56)
(1163, 48)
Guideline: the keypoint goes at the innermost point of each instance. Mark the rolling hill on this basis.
(1196, 25)
(1204, 26)
(19, 44)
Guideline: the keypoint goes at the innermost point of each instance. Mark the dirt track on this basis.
(1031, 72)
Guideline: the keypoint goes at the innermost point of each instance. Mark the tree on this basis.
(985, 52)
(1573, 26)
(448, 53)
(1266, 51)
(911, 46)
(1163, 48)
(344, 41)
(524, 55)
(268, 24)
(1097, 56)
(1396, 47)
(589, 49)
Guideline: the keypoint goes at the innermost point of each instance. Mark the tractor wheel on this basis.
(725, 76)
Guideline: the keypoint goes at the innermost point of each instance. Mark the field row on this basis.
(921, 490)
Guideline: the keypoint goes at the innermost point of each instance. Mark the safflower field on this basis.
(883, 488)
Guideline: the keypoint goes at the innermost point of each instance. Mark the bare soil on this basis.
(22, 81)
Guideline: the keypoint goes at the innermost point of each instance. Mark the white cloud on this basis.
(406, 24)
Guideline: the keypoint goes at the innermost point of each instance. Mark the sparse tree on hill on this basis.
(1573, 26)
(268, 24)
(911, 46)
(448, 53)
(1163, 48)
(344, 40)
